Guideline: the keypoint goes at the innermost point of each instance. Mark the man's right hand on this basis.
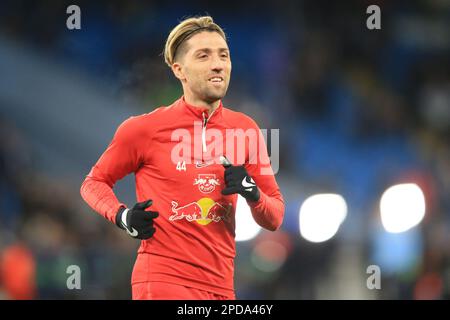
(136, 221)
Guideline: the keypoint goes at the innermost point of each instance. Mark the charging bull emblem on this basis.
(203, 211)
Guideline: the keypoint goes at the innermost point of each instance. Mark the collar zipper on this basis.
(205, 121)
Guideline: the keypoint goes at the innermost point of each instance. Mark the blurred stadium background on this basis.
(359, 112)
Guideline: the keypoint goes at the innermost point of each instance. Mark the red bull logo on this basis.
(203, 211)
(206, 182)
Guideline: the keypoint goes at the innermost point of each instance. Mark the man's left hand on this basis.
(237, 180)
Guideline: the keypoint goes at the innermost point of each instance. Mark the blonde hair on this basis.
(184, 31)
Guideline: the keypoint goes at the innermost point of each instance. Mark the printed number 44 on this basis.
(181, 166)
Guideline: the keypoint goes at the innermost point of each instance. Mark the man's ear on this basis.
(177, 70)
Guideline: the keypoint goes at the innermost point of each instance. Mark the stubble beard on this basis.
(211, 95)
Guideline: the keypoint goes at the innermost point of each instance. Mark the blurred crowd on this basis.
(358, 110)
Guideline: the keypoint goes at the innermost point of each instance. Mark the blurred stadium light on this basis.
(271, 251)
(321, 215)
(402, 207)
(246, 227)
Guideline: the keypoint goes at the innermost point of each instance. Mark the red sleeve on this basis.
(268, 211)
(121, 158)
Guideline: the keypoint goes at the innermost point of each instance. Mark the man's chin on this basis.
(214, 97)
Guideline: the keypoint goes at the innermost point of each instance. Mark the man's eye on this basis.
(203, 56)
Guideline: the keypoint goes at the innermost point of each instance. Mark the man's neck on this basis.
(202, 104)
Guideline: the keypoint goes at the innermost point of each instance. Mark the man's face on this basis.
(204, 66)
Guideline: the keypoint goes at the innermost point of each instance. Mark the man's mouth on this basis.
(216, 79)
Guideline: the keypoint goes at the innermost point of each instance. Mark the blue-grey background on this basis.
(358, 111)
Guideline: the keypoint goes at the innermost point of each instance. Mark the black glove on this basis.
(136, 221)
(237, 180)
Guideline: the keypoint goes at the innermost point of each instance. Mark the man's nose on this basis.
(217, 64)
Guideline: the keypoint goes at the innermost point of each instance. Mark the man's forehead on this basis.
(207, 40)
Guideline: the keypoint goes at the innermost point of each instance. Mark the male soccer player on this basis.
(189, 170)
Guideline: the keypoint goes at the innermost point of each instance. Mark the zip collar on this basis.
(202, 115)
(201, 112)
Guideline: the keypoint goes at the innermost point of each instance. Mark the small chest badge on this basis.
(206, 182)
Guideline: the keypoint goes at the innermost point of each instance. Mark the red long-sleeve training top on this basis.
(173, 152)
